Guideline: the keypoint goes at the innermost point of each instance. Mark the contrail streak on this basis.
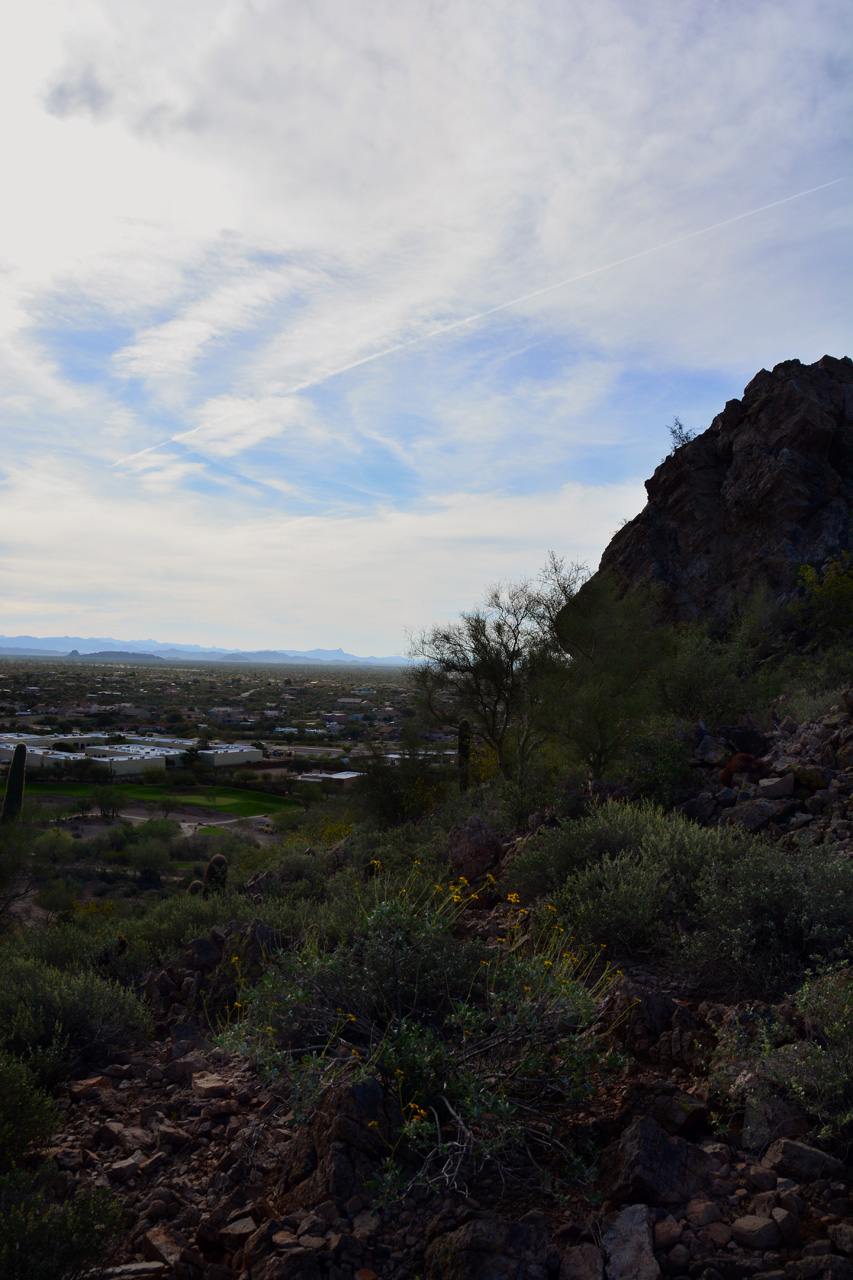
(503, 306)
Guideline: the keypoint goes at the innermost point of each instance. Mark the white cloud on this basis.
(259, 579)
(228, 201)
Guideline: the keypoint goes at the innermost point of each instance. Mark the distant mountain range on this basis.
(108, 649)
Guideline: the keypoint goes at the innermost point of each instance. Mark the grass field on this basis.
(231, 800)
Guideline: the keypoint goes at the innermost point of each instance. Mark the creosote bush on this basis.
(803, 1052)
(479, 1049)
(747, 918)
(764, 918)
(41, 1006)
(27, 1115)
(47, 1236)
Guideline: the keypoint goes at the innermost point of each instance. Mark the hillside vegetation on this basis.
(473, 939)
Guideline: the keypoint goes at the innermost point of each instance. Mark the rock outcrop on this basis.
(766, 488)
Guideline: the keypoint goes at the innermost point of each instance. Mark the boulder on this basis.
(158, 1246)
(208, 1085)
(629, 1247)
(751, 815)
(829, 1267)
(355, 1127)
(635, 1016)
(296, 1264)
(473, 848)
(202, 955)
(711, 752)
(756, 1232)
(841, 1235)
(489, 1248)
(776, 788)
(583, 1262)
(649, 1166)
(801, 1162)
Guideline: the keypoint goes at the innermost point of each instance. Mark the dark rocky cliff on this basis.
(766, 488)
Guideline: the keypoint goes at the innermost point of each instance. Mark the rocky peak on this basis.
(766, 488)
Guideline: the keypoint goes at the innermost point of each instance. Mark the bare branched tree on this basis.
(498, 665)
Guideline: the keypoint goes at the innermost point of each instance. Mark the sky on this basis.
(317, 317)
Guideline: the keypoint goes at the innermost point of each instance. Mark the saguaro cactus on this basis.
(463, 753)
(14, 797)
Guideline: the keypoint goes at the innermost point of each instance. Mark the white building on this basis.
(339, 781)
(220, 755)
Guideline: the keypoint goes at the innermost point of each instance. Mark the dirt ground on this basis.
(189, 818)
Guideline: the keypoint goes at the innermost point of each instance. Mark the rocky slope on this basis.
(768, 486)
(222, 1182)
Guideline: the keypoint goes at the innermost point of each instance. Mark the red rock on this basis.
(124, 1170)
(85, 1088)
(210, 1086)
(158, 1246)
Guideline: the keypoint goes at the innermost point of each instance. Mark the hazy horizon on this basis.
(318, 318)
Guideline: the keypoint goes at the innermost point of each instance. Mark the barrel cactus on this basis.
(216, 875)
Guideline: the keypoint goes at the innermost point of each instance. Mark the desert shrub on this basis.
(661, 767)
(825, 606)
(821, 1076)
(764, 917)
(55, 846)
(54, 898)
(40, 1005)
(536, 790)
(165, 928)
(642, 831)
(301, 875)
(702, 679)
(14, 858)
(156, 828)
(624, 876)
(107, 843)
(148, 858)
(616, 903)
(27, 1115)
(804, 706)
(287, 820)
(479, 1053)
(401, 960)
(750, 917)
(803, 1051)
(391, 793)
(63, 945)
(43, 1237)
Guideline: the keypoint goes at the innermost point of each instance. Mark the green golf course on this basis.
(230, 800)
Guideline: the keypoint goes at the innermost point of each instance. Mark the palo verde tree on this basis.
(615, 645)
(498, 665)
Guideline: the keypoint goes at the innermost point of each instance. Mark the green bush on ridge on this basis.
(746, 916)
(41, 1006)
(484, 1048)
(27, 1115)
(46, 1237)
